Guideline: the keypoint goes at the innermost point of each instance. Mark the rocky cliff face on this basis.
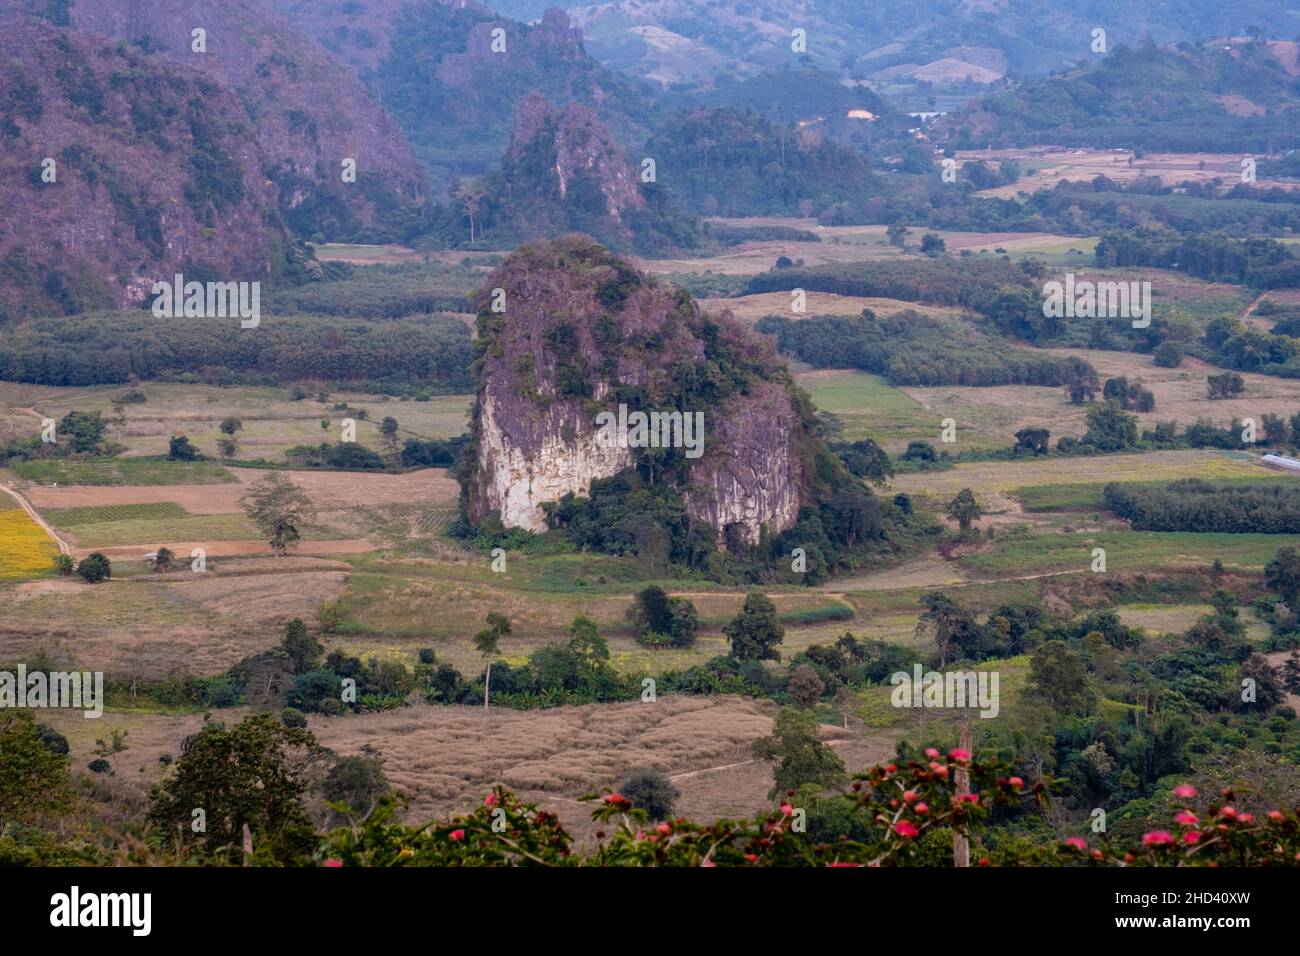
(581, 333)
(563, 172)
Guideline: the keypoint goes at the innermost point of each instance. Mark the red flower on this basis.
(1275, 815)
(891, 768)
(617, 799)
(458, 835)
(909, 795)
(1017, 783)
(959, 755)
(1186, 818)
(787, 809)
(921, 808)
(332, 862)
(905, 829)
(708, 863)
(985, 861)
(1247, 818)
(1157, 838)
(1184, 790)
(751, 857)
(939, 770)
(968, 798)
(931, 752)
(490, 800)
(1190, 837)
(1079, 843)
(665, 828)
(1229, 812)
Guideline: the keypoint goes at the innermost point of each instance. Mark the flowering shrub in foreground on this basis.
(894, 805)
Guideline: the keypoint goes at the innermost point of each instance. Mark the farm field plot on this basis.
(393, 608)
(272, 421)
(869, 407)
(994, 414)
(175, 624)
(751, 308)
(1090, 497)
(444, 759)
(1045, 166)
(120, 471)
(26, 551)
(1139, 551)
(845, 244)
(1007, 476)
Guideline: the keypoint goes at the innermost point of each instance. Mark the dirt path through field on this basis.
(35, 516)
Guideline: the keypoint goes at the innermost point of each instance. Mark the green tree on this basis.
(164, 559)
(388, 435)
(1282, 575)
(33, 776)
(357, 782)
(1059, 676)
(897, 234)
(180, 449)
(1110, 428)
(651, 791)
(241, 775)
(800, 756)
(947, 623)
(95, 568)
(230, 425)
(933, 245)
(755, 632)
(964, 509)
(301, 646)
(805, 687)
(488, 642)
(83, 430)
(277, 506)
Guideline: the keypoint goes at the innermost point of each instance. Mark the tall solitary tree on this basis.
(278, 507)
(488, 643)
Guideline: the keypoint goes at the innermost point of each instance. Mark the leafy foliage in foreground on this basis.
(899, 815)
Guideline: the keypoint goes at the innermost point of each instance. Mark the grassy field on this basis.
(1142, 551)
(121, 471)
(1009, 476)
(869, 407)
(1088, 496)
(272, 420)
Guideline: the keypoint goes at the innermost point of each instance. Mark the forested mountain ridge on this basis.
(118, 172)
(1228, 97)
(306, 113)
(453, 76)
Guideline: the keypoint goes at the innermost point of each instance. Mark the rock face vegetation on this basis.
(581, 333)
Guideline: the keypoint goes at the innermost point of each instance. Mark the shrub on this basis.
(651, 791)
(95, 568)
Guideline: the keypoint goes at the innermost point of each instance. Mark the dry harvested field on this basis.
(1044, 166)
(446, 758)
(355, 512)
(327, 489)
(751, 308)
(272, 421)
(179, 623)
(846, 244)
(994, 414)
(393, 254)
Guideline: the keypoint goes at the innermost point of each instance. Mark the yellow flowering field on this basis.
(25, 550)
